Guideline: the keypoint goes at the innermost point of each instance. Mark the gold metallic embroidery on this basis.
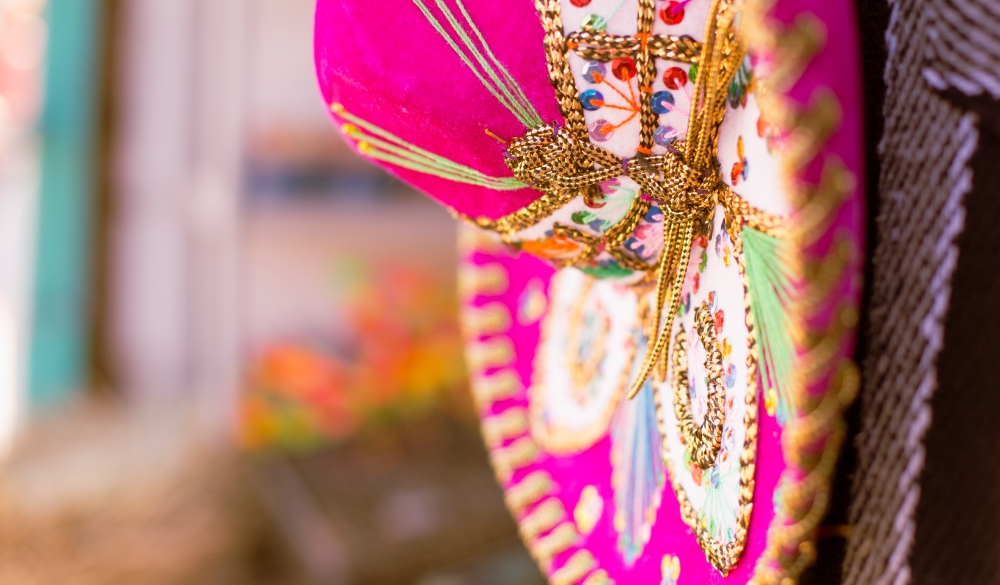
(724, 555)
(513, 457)
(811, 440)
(599, 577)
(565, 440)
(507, 425)
(529, 491)
(702, 441)
(564, 164)
(487, 389)
(576, 568)
(543, 518)
(561, 539)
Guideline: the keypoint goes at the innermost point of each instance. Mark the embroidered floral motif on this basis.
(710, 492)
(608, 209)
(620, 87)
(721, 490)
(552, 247)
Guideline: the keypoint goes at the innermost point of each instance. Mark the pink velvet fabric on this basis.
(386, 64)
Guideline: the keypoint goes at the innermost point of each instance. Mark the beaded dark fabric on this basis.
(925, 499)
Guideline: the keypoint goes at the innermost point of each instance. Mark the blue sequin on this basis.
(592, 100)
(661, 101)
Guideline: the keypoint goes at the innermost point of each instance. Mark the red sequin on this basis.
(675, 78)
(579, 3)
(623, 69)
(672, 13)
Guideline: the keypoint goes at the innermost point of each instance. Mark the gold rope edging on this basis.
(825, 381)
(541, 517)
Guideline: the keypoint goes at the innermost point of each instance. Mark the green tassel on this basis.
(770, 285)
(380, 144)
(490, 72)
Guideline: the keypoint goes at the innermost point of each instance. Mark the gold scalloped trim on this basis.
(825, 381)
(541, 517)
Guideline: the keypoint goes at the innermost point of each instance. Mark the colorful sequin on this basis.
(623, 69)
(663, 102)
(672, 12)
(664, 135)
(592, 100)
(594, 71)
(675, 78)
(601, 131)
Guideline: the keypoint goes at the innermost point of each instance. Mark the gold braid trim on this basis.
(703, 441)
(575, 569)
(598, 46)
(825, 381)
(529, 491)
(560, 73)
(543, 518)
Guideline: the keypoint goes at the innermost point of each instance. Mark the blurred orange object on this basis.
(401, 360)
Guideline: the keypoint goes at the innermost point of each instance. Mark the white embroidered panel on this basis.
(598, 316)
(713, 278)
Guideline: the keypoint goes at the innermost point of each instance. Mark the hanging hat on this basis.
(660, 269)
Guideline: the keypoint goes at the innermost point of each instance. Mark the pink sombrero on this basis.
(661, 268)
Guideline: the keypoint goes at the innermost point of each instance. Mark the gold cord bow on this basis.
(686, 182)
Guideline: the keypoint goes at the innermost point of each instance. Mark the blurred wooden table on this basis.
(422, 507)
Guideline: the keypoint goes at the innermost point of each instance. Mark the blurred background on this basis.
(217, 362)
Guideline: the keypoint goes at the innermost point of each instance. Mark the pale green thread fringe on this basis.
(503, 87)
(770, 285)
(377, 143)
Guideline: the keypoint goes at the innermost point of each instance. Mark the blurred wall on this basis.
(175, 226)
(235, 197)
